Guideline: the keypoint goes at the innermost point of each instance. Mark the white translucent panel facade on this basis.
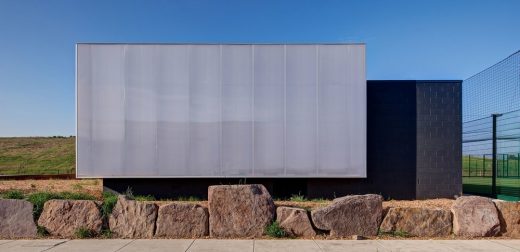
(193, 110)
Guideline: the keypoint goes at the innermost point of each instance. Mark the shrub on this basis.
(13, 194)
(129, 193)
(190, 198)
(82, 233)
(297, 198)
(109, 201)
(106, 233)
(144, 198)
(41, 231)
(274, 230)
(396, 233)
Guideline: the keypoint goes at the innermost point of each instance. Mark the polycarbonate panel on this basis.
(342, 138)
(205, 107)
(301, 84)
(173, 132)
(187, 110)
(237, 110)
(269, 105)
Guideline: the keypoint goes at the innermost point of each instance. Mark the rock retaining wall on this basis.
(243, 211)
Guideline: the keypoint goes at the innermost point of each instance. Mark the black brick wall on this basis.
(439, 139)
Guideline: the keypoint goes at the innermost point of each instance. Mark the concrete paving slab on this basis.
(212, 245)
(172, 245)
(412, 245)
(91, 245)
(286, 245)
(515, 244)
(30, 245)
(475, 246)
(5, 241)
(349, 245)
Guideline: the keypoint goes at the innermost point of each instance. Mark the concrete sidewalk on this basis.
(257, 245)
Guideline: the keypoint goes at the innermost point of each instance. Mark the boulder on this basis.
(475, 216)
(509, 216)
(64, 217)
(182, 220)
(239, 210)
(295, 221)
(350, 215)
(417, 221)
(133, 219)
(16, 219)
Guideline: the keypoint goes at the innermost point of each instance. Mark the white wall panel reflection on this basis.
(148, 110)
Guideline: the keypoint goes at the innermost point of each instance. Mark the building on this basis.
(171, 119)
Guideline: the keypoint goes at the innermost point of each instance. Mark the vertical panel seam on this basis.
(285, 109)
(317, 146)
(253, 110)
(220, 119)
(189, 154)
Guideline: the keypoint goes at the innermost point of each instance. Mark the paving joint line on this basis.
(317, 244)
(254, 245)
(55, 245)
(496, 242)
(447, 246)
(188, 248)
(124, 246)
(8, 241)
(380, 244)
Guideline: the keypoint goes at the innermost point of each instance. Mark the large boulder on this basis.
(509, 216)
(239, 210)
(350, 215)
(295, 221)
(182, 220)
(64, 217)
(16, 219)
(133, 219)
(475, 216)
(417, 221)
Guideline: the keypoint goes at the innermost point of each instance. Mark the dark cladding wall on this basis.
(413, 150)
(439, 139)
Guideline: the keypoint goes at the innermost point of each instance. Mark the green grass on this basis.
(397, 233)
(13, 194)
(507, 188)
(297, 198)
(106, 233)
(274, 230)
(480, 166)
(37, 155)
(82, 233)
(190, 198)
(41, 231)
(109, 201)
(144, 198)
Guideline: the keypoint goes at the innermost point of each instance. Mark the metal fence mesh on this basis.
(495, 90)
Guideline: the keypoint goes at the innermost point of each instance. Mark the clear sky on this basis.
(415, 39)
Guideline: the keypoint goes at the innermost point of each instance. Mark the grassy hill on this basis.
(37, 155)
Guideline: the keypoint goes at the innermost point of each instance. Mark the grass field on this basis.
(480, 166)
(37, 155)
(507, 188)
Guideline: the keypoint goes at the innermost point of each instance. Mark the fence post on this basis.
(483, 165)
(494, 158)
(469, 165)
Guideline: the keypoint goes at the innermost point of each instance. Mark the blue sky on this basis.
(451, 39)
